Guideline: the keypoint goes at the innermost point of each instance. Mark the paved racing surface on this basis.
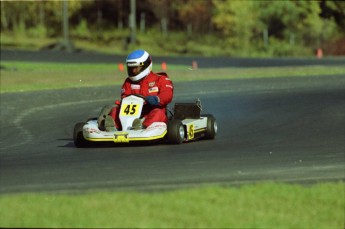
(287, 130)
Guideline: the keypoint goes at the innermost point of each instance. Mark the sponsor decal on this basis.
(92, 130)
(152, 84)
(135, 86)
(169, 86)
(133, 64)
(153, 89)
(156, 126)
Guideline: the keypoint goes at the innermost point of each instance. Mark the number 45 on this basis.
(130, 109)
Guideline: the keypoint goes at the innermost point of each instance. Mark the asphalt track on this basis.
(285, 130)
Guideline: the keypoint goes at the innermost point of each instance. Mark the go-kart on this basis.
(185, 124)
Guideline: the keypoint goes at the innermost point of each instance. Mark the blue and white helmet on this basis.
(139, 65)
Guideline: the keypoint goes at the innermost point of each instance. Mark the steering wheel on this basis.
(140, 96)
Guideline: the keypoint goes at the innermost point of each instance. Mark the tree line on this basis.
(238, 23)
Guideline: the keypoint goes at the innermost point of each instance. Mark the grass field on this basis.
(27, 76)
(265, 205)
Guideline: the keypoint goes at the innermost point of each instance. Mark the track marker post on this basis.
(319, 53)
(194, 65)
(121, 67)
(164, 66)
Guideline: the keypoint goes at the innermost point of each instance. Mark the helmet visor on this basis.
(134, 70)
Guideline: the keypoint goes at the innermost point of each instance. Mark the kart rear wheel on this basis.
(176, 132)
(78, 138)
(211, 129)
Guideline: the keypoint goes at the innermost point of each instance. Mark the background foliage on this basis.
(242, 28)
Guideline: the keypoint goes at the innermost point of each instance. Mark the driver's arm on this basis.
(166, 91)
(126, 89)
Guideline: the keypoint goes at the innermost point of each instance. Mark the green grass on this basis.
(265, 205)
(29, 76)
(23, 76)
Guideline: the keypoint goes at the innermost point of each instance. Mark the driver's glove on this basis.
(152, 100)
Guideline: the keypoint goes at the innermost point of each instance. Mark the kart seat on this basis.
(187, 110)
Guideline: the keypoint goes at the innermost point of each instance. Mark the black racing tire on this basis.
(176, 132)
(78, 138)
(211, 129)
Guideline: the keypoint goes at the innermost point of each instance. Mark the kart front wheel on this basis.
(211, 129)
(78, 138)
(176, 132)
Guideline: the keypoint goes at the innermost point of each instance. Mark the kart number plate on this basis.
(130, 109)
(191, 131)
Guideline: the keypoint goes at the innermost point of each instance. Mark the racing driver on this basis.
(156, 88)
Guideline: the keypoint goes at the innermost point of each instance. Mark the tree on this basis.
(196, 15)
(334, 10)
(161, 9)
(236, 20)
(300, 18)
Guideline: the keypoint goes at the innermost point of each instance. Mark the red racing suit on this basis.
(154, 84)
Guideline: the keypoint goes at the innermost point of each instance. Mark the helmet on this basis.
(139, 65)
